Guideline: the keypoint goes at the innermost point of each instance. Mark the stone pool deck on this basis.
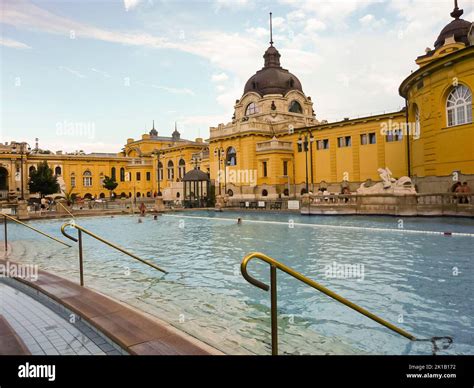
(136, 332)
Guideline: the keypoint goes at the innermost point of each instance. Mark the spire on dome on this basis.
(457, 13)
(271, 30)
(175, 135)
(153, 132)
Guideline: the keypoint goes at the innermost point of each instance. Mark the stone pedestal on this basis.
(22, 210)
(159, 205)
(220, 202)
(62, 207)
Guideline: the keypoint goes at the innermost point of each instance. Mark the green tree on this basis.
(43, 181)
(109, 184)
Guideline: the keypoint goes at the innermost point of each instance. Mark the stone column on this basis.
(22, 210)
(159, 205)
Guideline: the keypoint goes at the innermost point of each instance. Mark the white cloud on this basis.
(221, 77)
(13, 43)
(369, 21)
(174, 90)
(130, 4)
(314, 25)
(102, 73)
(258, 32)
(72, 71)
(232, 4)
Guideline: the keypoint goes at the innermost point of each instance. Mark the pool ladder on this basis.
(81, 230)
(274, 265)
(6, 217)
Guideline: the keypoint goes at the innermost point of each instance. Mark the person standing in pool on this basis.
(142, 209)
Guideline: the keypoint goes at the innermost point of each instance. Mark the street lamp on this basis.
(219, 152)
(23, 149)
(158, 153)
(304, 144)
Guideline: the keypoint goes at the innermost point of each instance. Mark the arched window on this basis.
(264, 193)
(295, 107)
(251, 109)
(459, 106)
(160, 171)
(87, 178)
(231, 159)
(113, 173)
(181, 169)
(417, 129)
(73, 180)
(170, 170)
(122, 174)
(57, 171)
(32, 169)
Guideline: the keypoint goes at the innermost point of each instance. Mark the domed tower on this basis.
(176, 136)
(153, 132)
(273, 94)
(439, 104)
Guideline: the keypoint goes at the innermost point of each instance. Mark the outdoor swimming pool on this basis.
(421, 282)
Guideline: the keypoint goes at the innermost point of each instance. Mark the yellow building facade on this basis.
(275, 147)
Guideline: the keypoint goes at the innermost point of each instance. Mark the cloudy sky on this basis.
(90, 74)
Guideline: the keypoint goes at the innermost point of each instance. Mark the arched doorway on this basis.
(3, 178)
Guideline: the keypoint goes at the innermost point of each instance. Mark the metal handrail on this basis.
(65, 208)
(81, 230)
(7, 217)
(274, 265)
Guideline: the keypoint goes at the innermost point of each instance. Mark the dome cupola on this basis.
(272, 78)
(458, 29)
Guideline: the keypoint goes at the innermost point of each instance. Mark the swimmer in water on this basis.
(239, 221)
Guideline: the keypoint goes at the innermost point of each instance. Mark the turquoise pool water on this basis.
(422, 282)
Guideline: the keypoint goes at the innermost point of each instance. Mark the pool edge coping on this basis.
(187, 344)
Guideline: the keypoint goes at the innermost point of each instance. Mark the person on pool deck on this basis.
(142, 209)
(465, 189)
(458, 190)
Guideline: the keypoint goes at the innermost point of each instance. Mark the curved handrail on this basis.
(81, 229)
(34, 229)
(277, 265)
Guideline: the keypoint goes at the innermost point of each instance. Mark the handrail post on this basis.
(274, 309)
(6, 235)
(81, 262)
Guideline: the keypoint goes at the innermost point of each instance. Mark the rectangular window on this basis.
(372, 138)
(87, 181)
(344, 141)
(139, 176)
(363, 139)
(73, 181)
(395, 135)
(285, 168)
(148, 176)
(264, 168)
(322, 144)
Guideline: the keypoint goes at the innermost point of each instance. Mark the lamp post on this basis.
(304, 144)
(23, 149)
(219, 152)
(158, 153)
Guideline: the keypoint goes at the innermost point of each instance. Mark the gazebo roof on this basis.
(195, 176)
